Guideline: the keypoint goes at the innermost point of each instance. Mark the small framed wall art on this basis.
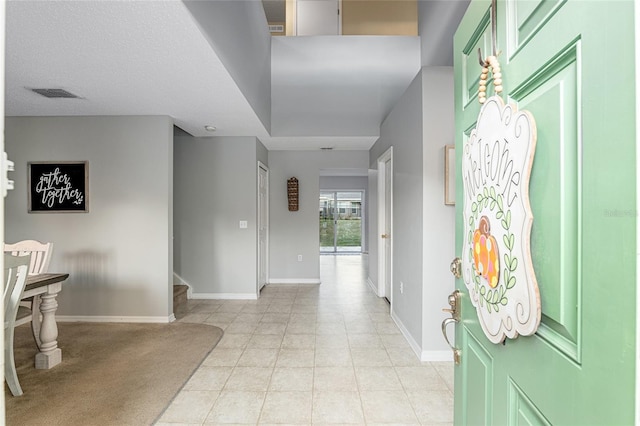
(292, 194)
(58, 186)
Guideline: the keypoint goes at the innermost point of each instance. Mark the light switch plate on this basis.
(243, 224)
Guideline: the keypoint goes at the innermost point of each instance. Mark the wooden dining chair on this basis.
(16, 269)
(40, 254)
(29, 310)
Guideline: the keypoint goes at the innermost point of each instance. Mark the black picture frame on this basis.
(58, 186)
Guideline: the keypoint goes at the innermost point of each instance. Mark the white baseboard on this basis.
(414, 345)
(96, 318)
(424, 356)
(373, 286)
(294, 281)
(225, 296)
(437, 356)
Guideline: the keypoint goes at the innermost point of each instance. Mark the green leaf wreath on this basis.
(492, 299)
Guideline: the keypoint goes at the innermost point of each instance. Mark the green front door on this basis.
(571, 64)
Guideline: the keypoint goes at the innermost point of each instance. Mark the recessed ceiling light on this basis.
(210, 128)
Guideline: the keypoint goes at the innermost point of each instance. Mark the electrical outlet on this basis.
(299, 258)
(401, 287)
(243, 224)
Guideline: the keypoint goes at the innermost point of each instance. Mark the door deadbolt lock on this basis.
(454, 303)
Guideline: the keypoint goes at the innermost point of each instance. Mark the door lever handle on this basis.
(454, 310)
(456, 351)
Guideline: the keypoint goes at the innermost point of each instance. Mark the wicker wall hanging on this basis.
(292, 194)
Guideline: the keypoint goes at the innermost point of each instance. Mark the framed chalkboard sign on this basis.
(58, 186)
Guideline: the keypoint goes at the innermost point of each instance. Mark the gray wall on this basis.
(238, 32)
(296, 233)
(360, 183)
(402, 129)
(215, 188)
(439, 219)
(118, 255)
(262, 154)
(372, 229)
(423, 227)
(437, 22)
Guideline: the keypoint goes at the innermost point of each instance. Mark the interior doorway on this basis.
(263, 225)
(385, 222)
(341, 221)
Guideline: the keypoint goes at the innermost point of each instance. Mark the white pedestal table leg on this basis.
(50, 355)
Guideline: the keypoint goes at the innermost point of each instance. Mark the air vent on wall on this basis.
(276, 28)
(54, 93)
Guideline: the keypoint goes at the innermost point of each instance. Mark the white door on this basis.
(385, 216)
(387, 229)
(317, 17)
(263, 224)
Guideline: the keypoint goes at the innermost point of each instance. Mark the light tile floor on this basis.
(312, 354)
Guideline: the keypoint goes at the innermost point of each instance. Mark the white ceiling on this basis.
(150, 58)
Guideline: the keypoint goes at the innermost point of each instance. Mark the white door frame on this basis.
(260, 220)
(382, 201)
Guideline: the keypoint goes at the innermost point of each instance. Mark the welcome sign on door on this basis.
(496, 259)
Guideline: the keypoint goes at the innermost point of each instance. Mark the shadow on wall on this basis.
(88, 268)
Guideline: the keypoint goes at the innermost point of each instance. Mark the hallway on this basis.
(312, 354)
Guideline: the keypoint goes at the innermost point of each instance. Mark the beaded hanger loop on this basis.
(491, 63)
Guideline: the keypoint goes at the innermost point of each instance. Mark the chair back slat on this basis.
(15, 277)
(40, 254)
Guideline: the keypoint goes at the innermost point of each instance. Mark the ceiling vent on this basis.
(326, 148)
(55, 93)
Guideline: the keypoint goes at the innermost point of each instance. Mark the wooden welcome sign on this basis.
(496, 258)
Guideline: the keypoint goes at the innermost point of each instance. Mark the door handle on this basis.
(385, 236)
(456, 351)
(454, 310)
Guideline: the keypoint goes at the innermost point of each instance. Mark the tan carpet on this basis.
(111, 374)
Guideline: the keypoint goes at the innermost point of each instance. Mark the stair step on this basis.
(179, 300)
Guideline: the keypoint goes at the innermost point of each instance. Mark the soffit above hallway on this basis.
(339, 86)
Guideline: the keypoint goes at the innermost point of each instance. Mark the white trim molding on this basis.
(373, 286)
(100, 318)
(414, 345)
(436, 356)
(225, 296)
(294, 281)
(424, 356)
